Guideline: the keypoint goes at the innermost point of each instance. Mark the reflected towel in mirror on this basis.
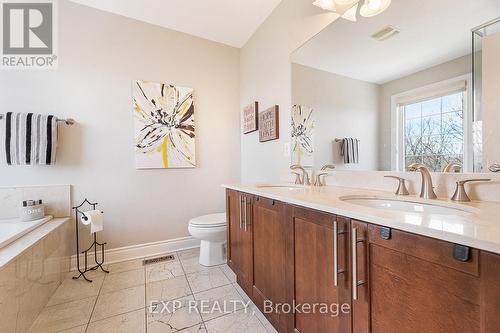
(350, 150)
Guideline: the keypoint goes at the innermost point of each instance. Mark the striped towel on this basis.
(350, 150)
(29, 139)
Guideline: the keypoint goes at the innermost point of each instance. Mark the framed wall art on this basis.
(251, 118)
(269, 128)
(164, 126)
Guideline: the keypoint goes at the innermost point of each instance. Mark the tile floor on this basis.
(135, 298)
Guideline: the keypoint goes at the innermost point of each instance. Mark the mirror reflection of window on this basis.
(434, 131)
(409, 84)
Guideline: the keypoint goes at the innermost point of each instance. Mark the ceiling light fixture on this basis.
(374, 7)
(336, 6)
(348, 9)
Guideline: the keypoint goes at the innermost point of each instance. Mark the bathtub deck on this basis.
(16, 248)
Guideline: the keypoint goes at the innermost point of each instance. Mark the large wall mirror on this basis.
(415, 84)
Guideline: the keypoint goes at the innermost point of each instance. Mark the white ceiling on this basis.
(432, 32)
(231, 22)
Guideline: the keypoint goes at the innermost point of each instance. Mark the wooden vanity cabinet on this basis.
(311, 259)
(393, 281)
(490, 292)
(239, 236)
(257, 250)
(416, 285)
(269, 244)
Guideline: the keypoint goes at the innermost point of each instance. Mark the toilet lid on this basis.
(212, 220)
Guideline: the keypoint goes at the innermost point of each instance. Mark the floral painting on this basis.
(164, 126)
(302, 135)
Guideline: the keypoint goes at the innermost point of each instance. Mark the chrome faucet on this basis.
(402, 189)
(427, 190)
(319, 177)
(301, 179)
(452, 167)
(494, 168)
(460, 193)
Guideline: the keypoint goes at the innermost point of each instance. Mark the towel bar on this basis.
(69, 121)
(340, 140)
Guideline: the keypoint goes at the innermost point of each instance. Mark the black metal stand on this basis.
(94, 245)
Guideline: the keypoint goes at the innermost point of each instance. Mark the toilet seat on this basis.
(209, 221)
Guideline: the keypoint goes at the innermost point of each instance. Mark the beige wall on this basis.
(491, 99)
(445, 71)
(99, 55)
(339, 104)
(266, 78)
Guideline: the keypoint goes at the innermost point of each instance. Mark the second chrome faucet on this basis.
(427, 189)
(303, 177)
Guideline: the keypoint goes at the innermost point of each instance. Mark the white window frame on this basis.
(397, 119)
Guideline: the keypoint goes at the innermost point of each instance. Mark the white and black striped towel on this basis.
(350, 150)
(28, 139)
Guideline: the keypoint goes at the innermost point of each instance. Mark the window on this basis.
(433, 125)
(434, 131)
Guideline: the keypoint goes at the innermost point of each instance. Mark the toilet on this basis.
(211, 230)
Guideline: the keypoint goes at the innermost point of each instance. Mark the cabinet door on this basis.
(416, 285)
(245, 276)
(311, 243)
(239, 236)
(269, 257)
(490, 292)
(360, 291)
(233, 215)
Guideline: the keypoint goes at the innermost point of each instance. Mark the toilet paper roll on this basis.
(94, 218)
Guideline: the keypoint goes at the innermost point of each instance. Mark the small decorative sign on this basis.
(269, 124)
(251, 118)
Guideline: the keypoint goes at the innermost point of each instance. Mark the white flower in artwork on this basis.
(164, 125)
(302, 135)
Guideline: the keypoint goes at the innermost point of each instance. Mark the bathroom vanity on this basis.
(393, 270)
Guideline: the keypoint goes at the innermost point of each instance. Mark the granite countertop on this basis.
(477, 226)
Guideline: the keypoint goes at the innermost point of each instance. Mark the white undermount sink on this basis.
(405, 206)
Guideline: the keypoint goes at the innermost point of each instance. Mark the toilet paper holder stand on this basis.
(95, 244)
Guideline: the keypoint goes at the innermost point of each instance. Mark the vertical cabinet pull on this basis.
(335, 254)
(354, 243)
(240, 210)
(245, 212)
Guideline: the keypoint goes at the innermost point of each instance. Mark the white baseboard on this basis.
(139, 251)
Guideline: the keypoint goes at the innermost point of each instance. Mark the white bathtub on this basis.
(12, 229)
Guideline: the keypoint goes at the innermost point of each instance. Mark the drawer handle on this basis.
(240, 211)
(461, 252)
(354, 248)
(335, 254)
(336, 270)
(385, 233)
(245, 212)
